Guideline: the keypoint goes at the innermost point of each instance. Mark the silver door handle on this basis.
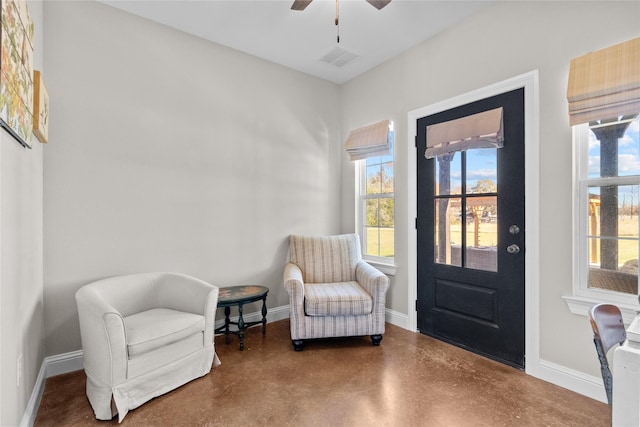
(513, 249)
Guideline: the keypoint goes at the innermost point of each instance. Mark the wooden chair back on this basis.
(608, 330)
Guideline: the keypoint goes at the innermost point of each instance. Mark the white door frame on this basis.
(528, 81)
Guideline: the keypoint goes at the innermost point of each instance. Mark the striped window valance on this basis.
(605, 84)
(369, 141)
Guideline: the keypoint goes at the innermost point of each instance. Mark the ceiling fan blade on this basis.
(300, 4)
(378, 4)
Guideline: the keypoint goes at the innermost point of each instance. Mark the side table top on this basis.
(232, 294)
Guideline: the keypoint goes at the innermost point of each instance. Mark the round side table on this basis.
(240, 295)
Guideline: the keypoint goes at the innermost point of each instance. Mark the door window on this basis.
(466, 206)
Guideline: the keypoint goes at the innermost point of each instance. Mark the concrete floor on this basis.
(409, 380)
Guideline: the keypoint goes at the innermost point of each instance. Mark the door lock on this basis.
(514, 229)
(513, 249)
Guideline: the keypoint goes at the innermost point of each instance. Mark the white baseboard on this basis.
(30, 412)
(570, 379)
(576, 381)
(64, 363)
(398, 319)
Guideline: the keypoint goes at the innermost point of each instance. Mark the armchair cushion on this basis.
(336, 299)
(160, 327)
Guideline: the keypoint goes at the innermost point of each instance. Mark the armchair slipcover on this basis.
(332, 291)
(144, 335)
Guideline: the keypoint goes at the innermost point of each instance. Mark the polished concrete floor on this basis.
(410, 380)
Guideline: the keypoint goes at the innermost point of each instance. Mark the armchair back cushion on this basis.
(326, 259)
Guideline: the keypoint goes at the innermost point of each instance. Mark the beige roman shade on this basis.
(369, 141)
(605, 84)
(481, 130)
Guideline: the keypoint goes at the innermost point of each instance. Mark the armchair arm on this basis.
(294, 284)
(373, 281)
(103, 337)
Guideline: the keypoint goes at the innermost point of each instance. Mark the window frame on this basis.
(583, 297)
(385, 264)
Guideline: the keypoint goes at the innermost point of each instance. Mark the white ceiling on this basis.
(269, 29)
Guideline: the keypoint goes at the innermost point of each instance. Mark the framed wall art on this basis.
(16, 70)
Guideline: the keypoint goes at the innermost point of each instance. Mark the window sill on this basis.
(582, 305)
(388, 269)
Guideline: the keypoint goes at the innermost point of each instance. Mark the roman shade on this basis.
(481, 130)
(605, 84)
(369, 141)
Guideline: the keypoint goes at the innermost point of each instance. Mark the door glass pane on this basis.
(481, 250)
(482, 172)
(448, 231)
(449, 174)
(612, 230)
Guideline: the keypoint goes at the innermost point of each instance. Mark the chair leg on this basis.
(297, 345)
(607, 378)
(375, 339)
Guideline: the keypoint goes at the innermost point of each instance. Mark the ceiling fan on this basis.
(302, 4)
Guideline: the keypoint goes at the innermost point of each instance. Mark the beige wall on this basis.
(21, 251)
(170, 153)
(503, 41)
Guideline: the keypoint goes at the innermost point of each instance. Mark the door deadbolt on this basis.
(514, 229)
(513, 249)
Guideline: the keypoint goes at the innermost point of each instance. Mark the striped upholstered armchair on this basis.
(332, 291)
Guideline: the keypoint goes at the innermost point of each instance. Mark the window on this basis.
(376, 208)
(607, 160)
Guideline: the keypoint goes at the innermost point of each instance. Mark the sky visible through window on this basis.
(628, 153)
(628, 161)
(481, 166)
(386, 163)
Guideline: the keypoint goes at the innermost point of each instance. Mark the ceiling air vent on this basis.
(339, 57)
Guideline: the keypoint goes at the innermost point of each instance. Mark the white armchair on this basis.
(144, 335)
(332, 291)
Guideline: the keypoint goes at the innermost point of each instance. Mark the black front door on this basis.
(470, 239)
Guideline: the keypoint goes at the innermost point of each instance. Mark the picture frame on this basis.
(40, 108)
